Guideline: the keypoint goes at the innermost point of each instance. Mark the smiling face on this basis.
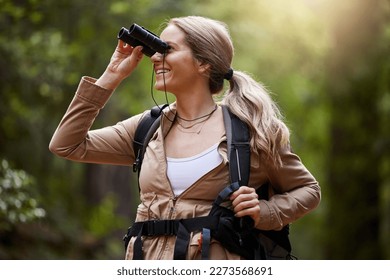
(179, 71)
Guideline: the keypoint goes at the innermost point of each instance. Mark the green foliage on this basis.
(330, 79)
(103, 216)
(17, 205)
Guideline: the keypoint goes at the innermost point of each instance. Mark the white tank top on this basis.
(183, 172)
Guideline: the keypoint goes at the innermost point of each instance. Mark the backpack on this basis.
(236, 234)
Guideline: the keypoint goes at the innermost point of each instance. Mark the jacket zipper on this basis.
(174, 199)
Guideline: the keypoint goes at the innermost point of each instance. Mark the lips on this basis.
(162, 71)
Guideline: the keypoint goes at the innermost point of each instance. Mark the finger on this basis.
(120, 44)
(244, 205)
(244, 197)
(242, 190)
(138, 52)
(124, 48)
(253, 212)
(136, 55)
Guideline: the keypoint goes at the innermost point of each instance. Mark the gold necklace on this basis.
(184, 128)
(201, 117)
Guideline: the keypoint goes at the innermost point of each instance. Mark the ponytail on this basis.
(251, 102)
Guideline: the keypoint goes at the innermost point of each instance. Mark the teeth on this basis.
(162, 71)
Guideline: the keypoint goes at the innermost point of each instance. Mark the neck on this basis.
(191, 111)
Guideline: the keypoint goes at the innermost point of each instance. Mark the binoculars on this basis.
(139, 36)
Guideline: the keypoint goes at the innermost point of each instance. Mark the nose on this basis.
(156, 57)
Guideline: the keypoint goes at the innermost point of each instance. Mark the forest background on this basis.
(327, 63)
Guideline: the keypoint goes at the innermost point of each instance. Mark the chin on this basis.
(159, 85)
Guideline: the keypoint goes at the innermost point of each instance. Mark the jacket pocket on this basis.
(216, 251)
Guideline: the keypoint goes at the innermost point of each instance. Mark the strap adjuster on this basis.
(160, 227)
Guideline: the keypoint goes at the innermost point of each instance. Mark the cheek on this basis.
(186, 70)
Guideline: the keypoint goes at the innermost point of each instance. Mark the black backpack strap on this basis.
(145, 130)
(180, 228)
(225, 193)
(238, 148)
(206, 241)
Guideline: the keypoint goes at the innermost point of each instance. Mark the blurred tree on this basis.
(357, 85)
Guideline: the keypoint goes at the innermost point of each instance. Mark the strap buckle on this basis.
(161, 227)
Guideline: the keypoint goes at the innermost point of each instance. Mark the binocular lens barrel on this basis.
(125, 37)
(140, 36)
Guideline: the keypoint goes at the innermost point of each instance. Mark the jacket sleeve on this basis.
(74, 140)
(296, 193)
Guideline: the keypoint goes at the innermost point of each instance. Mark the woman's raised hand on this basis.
(122, 63)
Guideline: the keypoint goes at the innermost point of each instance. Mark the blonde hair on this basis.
(210, 43)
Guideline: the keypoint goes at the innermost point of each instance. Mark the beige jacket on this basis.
(298, 191)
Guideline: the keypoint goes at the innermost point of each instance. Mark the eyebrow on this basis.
(171, 43)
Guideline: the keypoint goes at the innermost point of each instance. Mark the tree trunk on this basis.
(354, 180)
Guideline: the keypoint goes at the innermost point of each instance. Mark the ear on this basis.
(203, 68)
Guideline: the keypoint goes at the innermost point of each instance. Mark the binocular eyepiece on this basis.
(139, 36)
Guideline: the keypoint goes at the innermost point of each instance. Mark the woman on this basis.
(185, 165)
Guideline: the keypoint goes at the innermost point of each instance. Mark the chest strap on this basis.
(180, 228)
